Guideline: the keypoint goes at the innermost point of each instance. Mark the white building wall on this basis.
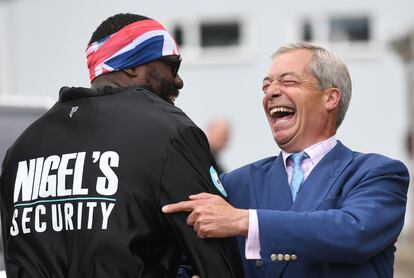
(4, 47)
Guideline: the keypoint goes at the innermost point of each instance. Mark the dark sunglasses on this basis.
(173, 62)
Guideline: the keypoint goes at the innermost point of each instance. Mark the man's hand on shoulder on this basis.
(212, 216)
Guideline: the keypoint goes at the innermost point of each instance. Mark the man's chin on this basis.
(170, 98)
(165, 92)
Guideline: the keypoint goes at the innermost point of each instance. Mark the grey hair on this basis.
(330, 72)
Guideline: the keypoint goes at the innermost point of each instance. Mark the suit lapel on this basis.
(271, 189)
(320, 181)
(271, 186)
(272, 192)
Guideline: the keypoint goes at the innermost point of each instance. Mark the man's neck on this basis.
(113, 79)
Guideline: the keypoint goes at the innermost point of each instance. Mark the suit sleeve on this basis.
(362, 224)
(186, 171)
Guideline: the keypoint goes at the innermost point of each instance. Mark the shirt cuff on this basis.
(252, 250)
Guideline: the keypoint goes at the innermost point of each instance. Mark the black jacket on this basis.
(82, 190)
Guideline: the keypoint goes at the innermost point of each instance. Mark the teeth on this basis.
(281, 109)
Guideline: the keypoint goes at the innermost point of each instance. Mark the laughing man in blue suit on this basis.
(318, 209)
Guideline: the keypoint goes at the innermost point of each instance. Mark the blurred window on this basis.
(307, 31)
(220, 34)
(213, 40)
(178, 35)
(349, 29)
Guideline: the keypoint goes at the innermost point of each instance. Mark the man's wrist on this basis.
(243, 222)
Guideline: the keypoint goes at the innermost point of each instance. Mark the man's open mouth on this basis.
(282, 112)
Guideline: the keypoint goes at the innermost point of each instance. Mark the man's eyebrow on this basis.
(289, 73)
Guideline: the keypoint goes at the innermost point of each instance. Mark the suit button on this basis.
(258, 263)
(280, 257)
(293, 257)
(287, 257)
(273, 257)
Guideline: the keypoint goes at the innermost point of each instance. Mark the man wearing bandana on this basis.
(82, 188)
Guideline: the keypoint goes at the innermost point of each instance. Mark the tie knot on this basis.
(297, 158)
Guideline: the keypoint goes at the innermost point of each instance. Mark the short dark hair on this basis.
(113, 24)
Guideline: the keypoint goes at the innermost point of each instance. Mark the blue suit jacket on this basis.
(346, 218)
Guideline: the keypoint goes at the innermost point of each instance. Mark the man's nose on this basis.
(178, 82)
(274, 90)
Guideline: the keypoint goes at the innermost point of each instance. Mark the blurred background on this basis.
(226, 48)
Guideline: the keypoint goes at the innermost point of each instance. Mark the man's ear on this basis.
(132, 72)
(333, 96)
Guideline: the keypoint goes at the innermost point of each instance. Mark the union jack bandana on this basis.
(136, 44)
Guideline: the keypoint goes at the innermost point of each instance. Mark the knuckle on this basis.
(198, 211)
(201, 234)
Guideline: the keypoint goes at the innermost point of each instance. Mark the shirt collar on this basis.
(315, 152)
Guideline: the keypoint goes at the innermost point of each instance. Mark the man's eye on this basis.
(289, 83)
(265, 86)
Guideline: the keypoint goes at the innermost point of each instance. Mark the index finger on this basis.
(203, 195)
(180, 206)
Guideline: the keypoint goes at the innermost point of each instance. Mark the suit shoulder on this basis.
(262, 164)
(377, 162)
(376, 159)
